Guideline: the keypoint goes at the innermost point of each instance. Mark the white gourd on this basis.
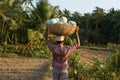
(59, 22)
(53, 21)
(57, 19)
(72, 23)
(63, 19)
(48, 22)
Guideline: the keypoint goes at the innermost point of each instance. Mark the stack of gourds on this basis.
(61, 26)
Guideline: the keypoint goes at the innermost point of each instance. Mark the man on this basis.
(60, 55)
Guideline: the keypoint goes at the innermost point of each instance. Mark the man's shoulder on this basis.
(66, 46)
(70, 46)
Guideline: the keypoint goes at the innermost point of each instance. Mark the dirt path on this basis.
(87, 55)
(39, 69)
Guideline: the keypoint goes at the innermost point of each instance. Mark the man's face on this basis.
(62, 42)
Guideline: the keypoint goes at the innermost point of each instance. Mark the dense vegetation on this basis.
(17, 23)
(22, 33)
(109, 70)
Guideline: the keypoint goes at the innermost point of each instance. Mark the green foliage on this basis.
(36, 54)
(11, 50)
(114, 60)
(74, 62)
(74, 59)
(95, 48)
(34, 35)
(113, 47)
(15, 51)
(43, 10)
(68, 41)
(8, 55)
(99, 71)
(43, 52)
(97, 27)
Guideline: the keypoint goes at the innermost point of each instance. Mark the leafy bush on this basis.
(94, 48)
(41, 53)
(15, 51)
(113, 47)
(74, 59)
(114, 62)
(68, 41)
(36, 54)
(74, 62)
(8, 55)
(99, 71)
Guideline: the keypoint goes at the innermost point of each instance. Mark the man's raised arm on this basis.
(77, 36)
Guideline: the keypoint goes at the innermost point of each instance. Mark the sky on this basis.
(85, 6)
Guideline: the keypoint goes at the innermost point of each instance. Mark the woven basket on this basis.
(61, 29)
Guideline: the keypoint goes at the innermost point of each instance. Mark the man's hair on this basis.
(59, 42)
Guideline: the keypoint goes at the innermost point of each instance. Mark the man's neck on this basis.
(61, 44)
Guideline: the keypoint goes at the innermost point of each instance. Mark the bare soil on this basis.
(88, 55)
(23, 68)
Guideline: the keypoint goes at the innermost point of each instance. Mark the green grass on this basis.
(95, 48)
(8, 55)
(36, 54)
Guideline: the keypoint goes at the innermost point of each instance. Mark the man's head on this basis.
(60, 39)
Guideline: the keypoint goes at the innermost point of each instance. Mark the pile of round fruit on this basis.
(61, 26)
(61, 20)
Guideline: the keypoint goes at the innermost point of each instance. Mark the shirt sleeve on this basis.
(69, 49)
(50, 45)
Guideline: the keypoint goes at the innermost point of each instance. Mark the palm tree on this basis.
(40, 14)
(67, 14)
(87, 24)
(44, 11)
(76, 17)
(97, 15)
(11, 14)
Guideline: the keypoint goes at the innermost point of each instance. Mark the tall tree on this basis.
(87, 25)
(97, 15)
(67, 14)
(9, 14)
(76, 17)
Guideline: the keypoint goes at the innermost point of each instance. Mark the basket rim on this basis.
(61, 29)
